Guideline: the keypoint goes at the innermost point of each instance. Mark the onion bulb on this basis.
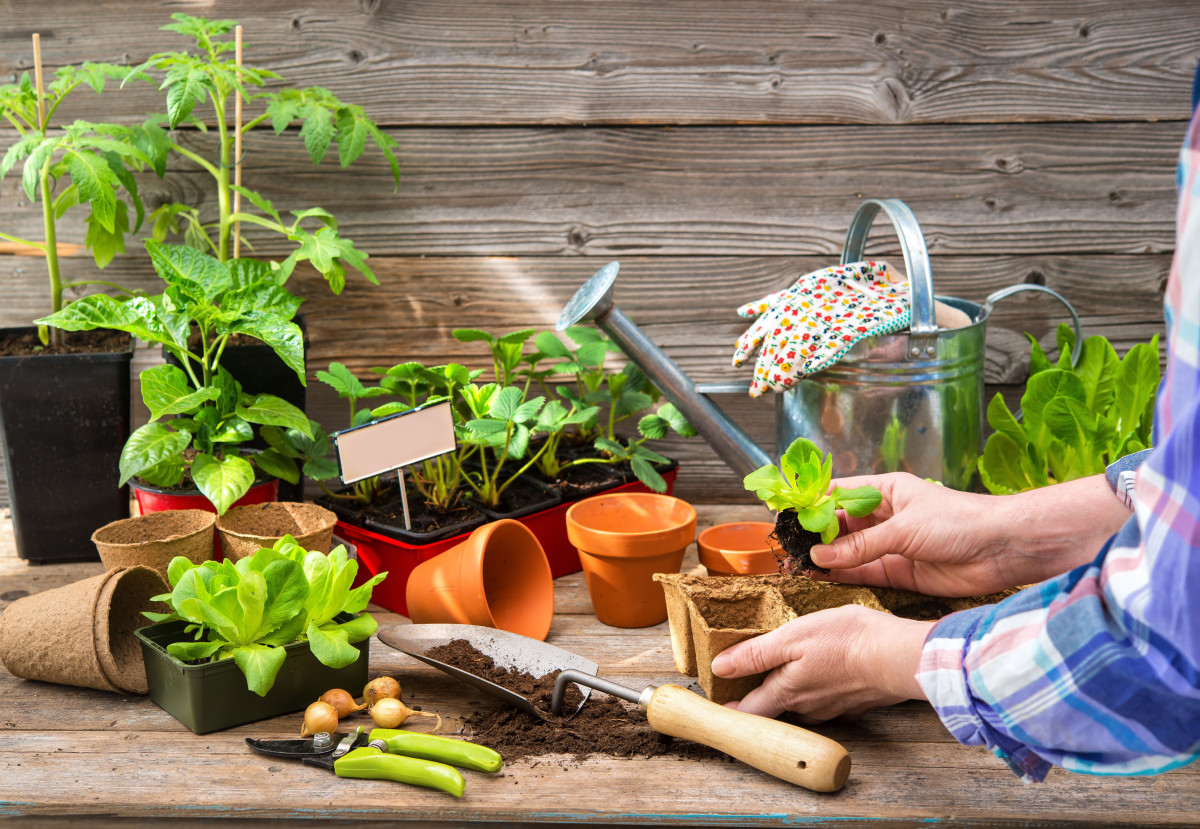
(390, 712)
(342, 702)
(381, 687)
(318, 717)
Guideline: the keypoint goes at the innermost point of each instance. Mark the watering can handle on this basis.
(923, 331)
(1004, 293)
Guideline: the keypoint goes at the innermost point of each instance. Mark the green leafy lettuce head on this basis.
(801, 483)
(249, 611)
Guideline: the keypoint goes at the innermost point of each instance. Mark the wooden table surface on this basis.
(69, 753)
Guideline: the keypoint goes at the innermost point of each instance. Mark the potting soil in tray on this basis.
(424, 519)
(584, 480)
(605, 725)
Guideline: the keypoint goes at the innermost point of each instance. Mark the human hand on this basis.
(943, 542)
(846, 660)
(809, 325)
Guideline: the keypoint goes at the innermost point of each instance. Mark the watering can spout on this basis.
(593, 303)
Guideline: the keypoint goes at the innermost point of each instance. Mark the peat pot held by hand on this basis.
(910, 401)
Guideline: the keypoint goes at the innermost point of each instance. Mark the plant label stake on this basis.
(394, 442)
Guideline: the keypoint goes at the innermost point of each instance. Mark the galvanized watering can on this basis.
(909, 402)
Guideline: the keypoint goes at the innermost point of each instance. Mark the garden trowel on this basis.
(785, 751)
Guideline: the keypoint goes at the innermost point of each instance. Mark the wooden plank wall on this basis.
(715, 149)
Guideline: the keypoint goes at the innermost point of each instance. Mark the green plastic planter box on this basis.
(212, 696)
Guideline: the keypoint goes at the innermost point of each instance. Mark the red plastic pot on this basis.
(378, 553)
(153, 499)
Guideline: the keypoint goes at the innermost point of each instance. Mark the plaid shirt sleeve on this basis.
(1098, 670)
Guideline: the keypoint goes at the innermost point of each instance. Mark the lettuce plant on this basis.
(1076, 418)
(806, 510)
(249, 611)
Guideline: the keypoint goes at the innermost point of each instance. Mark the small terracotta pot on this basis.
(152, 540)
(499, 577)
(245, 530)
(623, 540)
(739, 549)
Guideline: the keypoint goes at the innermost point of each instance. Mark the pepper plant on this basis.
(212, 419)
(212, 75)
(81, 163)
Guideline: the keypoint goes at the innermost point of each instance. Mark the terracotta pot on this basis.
(739, 549)
(623, 540)
(245, 530)
(498, 577)
(152, 540)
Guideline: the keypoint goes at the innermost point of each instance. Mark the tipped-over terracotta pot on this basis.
(153, 539)
(499, 577)
(623, 539)
(245, 530)
(739, 549)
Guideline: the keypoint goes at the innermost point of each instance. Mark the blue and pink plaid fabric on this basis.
(1098, 670)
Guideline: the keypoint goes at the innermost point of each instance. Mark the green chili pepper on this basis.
(442, 749)
(374, 763)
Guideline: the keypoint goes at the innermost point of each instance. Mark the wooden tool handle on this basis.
(781, 750)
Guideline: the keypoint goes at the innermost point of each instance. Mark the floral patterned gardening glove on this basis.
(809, 326)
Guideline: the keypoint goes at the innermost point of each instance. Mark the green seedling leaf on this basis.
(166, 391)
(858, 502)
(269, 410)
(222, 480)
(148, 446)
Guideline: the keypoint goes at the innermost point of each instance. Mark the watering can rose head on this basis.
(798, 492)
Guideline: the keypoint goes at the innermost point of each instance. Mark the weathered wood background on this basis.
(716, 149)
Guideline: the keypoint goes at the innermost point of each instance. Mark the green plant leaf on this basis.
(1071, 422)
(222, 481)
(277, 465)
(351, 138)
(652, 427)
(104, 243)
(95, 181)
(817, 517)
(765, 482)
(472, 335)
(1002, 420)
(31, 173)
(284, 336)
(260, 664)
(858, 502)
(1001, 467)
(258, 200)
(331, 646)
(1097, 369)
(199, 276)
(185, 84)
(148, 446)
(269, 410)
(320, 469)
(1136, 383)
(505, 403)
(1040, 390)
(166, 391)
(343, 381)
(647, 474)
(317, 132)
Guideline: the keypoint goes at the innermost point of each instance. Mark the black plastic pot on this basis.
(64, 419)
(260, 371)
(548, 499)
(212, 696)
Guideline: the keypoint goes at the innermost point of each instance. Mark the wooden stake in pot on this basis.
(237, 145)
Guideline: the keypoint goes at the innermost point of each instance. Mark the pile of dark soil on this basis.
(604, 726)
(796, 543)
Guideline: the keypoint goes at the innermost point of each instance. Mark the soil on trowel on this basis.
(796, 543)
(605, 725)
(72, 342)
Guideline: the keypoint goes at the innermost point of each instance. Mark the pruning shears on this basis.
(388, 754)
